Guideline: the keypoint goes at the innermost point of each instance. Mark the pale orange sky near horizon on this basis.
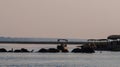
(59, 18)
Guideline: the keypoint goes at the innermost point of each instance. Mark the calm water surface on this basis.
(104, 59)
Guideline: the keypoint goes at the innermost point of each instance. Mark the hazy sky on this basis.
(59, 18)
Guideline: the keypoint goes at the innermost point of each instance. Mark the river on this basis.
(98, 59)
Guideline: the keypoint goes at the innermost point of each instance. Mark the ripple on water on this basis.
(104, 59)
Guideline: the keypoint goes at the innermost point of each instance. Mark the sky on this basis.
(59, 18)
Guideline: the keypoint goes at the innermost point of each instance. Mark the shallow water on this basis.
(104, 59)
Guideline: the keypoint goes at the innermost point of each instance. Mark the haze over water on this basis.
(59, 18)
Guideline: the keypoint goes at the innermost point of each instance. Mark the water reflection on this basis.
(104, 59)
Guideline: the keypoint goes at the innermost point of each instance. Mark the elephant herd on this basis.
(59, 49)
